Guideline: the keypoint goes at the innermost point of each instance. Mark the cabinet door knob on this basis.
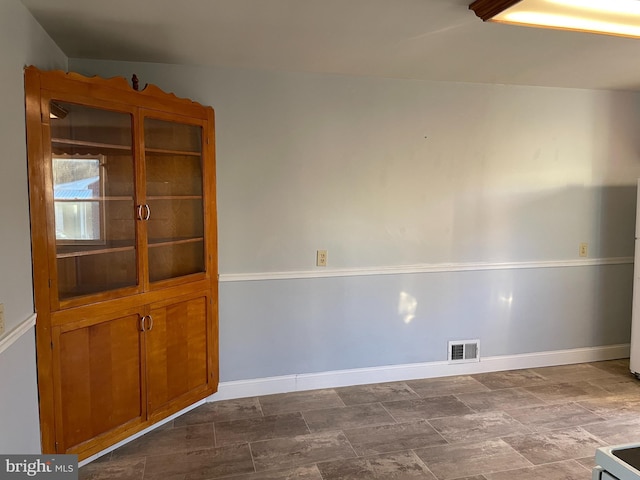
(150, 322)
(148, 212)
(142, 322)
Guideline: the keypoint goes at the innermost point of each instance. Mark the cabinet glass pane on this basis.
(93, 197)
(175, 229)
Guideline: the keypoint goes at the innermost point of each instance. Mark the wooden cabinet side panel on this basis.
(39, 253)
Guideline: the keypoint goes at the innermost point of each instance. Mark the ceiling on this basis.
(415, 39)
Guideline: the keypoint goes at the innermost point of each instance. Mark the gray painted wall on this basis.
(385, 172)
(271, 328)
(22, 42)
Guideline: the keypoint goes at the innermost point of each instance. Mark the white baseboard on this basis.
(395, 373)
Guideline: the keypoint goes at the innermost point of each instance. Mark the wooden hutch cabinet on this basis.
(123, 228)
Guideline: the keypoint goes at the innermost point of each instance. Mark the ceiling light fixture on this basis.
(610, 17)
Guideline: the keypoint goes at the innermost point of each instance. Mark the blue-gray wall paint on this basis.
(385, 172)
(22, 42)
(271, 328)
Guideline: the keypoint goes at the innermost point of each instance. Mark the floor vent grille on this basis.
(464, 351)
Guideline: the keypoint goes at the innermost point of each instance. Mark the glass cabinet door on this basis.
(93, 199)
(174, 211)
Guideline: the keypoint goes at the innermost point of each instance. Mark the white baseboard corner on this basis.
(395, 373)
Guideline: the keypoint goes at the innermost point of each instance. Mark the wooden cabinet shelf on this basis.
(73, 250)
(122, 189)
(77, 146)
(174, 241)
(70, 251)
(174, 197)
(97, 199)
(161, 151)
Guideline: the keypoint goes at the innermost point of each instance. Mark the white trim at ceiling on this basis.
(422, 268)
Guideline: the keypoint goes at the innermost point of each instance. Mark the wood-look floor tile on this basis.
(571, 373)
(124, 469)
(510, 379)
(200, 464)
(341, 418)
(554, 446)
(393, 466)
(477, 426)
(306, 472)
(435, 387)
(473, 477)
(185, 450)
(165, 426)
(103, 458)
(500, 399)
(381, 392)
(617, 431)
(618, 385)
(426, 408)
(161, 442)
(221, 411)
(391, 438)
(299, 401)
(617, 367)
(554, 417)
(567, 470)
(260, 428)
(612, 407)
(449, 462)
(588, 462)
(301, 450)
(566, 392)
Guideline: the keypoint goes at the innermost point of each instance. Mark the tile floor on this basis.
(520, 424)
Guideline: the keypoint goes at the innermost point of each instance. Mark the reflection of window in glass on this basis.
(77, 191)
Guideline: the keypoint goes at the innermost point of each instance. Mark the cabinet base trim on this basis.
(395, 373)
(141, 433)
(12, 337)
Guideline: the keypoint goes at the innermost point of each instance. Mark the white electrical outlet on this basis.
(321, 258)
(1, 318)
(583, 249)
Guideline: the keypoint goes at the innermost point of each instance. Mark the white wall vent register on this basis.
(464, 351)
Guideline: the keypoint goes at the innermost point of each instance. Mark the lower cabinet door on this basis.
(99, 389)
(177, 339)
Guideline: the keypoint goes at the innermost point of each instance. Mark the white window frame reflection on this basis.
(79, 204)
